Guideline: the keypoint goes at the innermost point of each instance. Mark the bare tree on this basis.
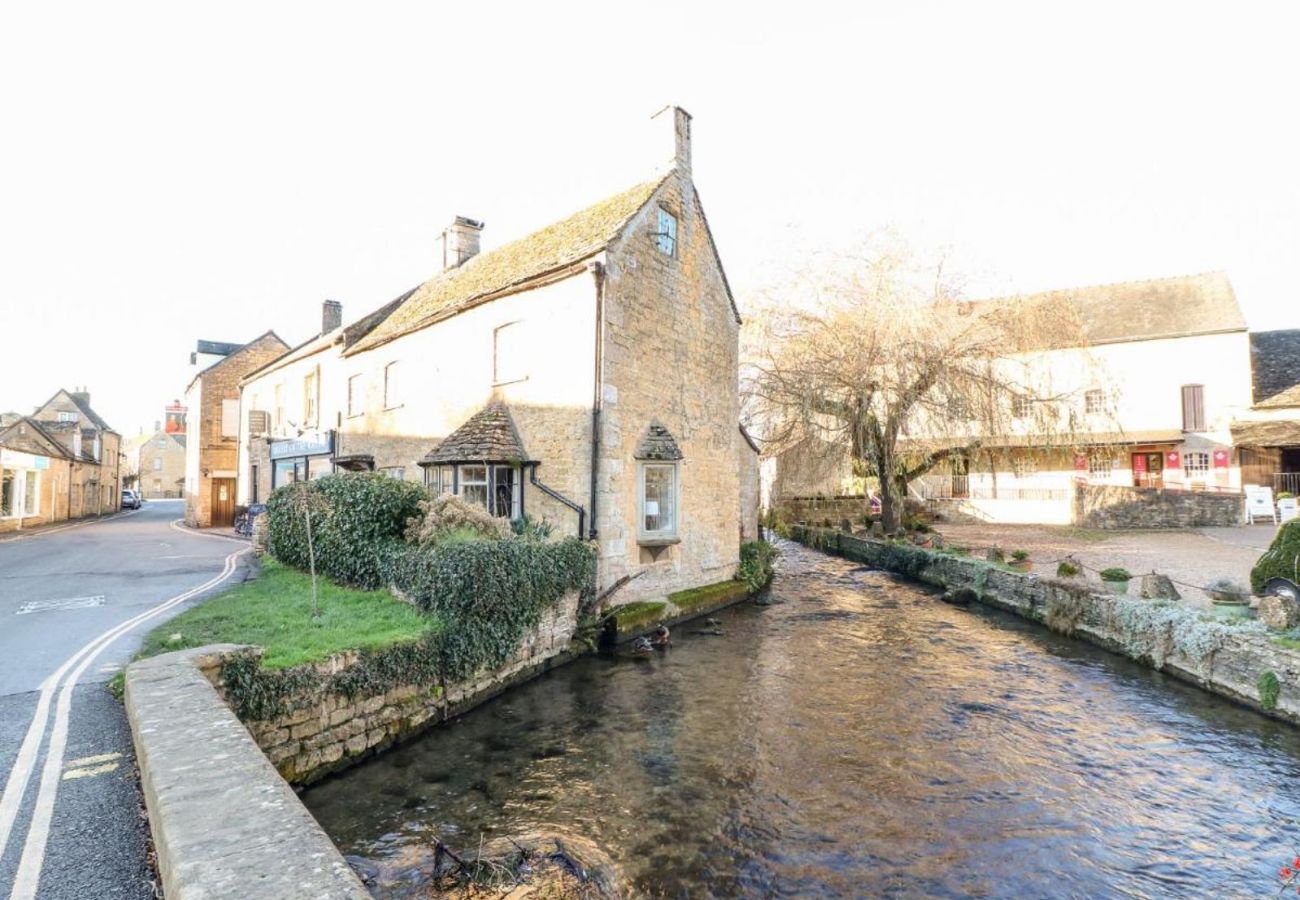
(308, 503)
(876, 353)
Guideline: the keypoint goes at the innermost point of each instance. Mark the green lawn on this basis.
(274, 611)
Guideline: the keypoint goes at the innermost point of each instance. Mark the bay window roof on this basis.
(657, 444)
(488, 436)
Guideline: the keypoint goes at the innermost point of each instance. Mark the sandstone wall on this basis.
(1116, 506)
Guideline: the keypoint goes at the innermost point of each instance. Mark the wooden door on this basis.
(223, 502)
(1148, 469)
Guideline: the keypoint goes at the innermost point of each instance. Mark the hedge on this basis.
(1281, 560)
(357, 520)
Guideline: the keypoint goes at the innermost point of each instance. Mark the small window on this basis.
(505, 492)
(1099, 466)
(310, 398)
(354, 395)
(1193, 407)
(392, 395)
(666, 235)
(162, 442)
(1094, 402)
(397, 472)
(508, 354)
(157, 463)
(67, 417)
(474, 484)
(658, 500)
(1021, 406)
(1024, 466)
(1196, 464)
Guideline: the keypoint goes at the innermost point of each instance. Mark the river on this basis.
(859, 738)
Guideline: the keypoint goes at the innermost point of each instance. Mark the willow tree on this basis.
(876, 353)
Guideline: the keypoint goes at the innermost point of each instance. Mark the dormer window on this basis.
(67, 416)
(666, 234)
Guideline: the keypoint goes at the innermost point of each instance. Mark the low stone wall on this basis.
(322, 733)
(1118, 506)
(816, 510)
(225, 825)
(1231, 668)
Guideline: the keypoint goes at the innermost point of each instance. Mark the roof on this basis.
(657, 443)
(1283, 433)
(1046, 441)
(488, 436)
(543, 252)
(1180, 306)
(82, 404)
(1282, 400)
(40, 431)
(1274, 363)
(234, 354)
(753, 445)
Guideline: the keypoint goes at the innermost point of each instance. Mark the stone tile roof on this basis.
(1140, 310)
(658, 444)
(79, 400)
(576, 238)
(488, 436)
(44, 444)
(1282, 399)
(1274, 364)
(1282, 433)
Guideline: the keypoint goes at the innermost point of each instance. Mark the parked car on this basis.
(130, 499)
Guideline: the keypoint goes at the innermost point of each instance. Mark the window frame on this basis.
(1104, 459)
(311, 399)
(670, 535)
(1193, 412)
(392, 385)
(1094, 401)
(508, 375)
(354, 395)
(1022, 406)
(666, 232)
(1202, 467)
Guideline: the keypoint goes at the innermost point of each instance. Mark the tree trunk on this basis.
(892, 493)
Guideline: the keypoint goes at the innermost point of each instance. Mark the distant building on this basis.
(161, 466)
(212, 425)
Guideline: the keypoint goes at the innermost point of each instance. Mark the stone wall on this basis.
(1232, 669)
(816, 510)
(319, 734)
(1118, 506)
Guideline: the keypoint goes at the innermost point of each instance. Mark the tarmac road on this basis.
(71, 822)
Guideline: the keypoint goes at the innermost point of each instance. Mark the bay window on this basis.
(474, 484)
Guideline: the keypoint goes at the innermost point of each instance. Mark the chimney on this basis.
(82, 396)
(678, 122)
(460, 242)
(331, 316)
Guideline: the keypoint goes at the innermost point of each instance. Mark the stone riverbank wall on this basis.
(1121, 506)
(1242, 662)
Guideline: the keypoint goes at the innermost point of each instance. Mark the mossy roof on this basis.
(512, 265)
(488, 436)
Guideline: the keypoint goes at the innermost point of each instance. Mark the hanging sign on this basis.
(1080, 462)
(1220, 459)
(1140, 464)
(1172, 461)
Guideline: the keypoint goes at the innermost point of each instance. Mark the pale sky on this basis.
(171, 171)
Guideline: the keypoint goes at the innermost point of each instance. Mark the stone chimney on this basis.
(81, 395)
(677, 122)
(331, 316)
(460, 242)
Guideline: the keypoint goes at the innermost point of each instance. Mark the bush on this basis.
(1020, 555)
(1225, 590)
(1269, 687)
(356, 519)
(1067, 569)
(1281, 560)
(446, 514)
(755, 568)
(1115, 573)
(488, 593)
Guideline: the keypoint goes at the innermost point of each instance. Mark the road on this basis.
(74, 606)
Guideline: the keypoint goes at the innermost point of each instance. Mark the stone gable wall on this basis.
(1117, 506)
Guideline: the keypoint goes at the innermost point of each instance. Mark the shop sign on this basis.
(1140, 464)
(1220, 459)
(320, 444)
(1172, 460)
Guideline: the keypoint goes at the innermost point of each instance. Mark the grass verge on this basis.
(274, 611)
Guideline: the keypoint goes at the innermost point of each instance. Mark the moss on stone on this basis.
(710, 594)
(641, 615)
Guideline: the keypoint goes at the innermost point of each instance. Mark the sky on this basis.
(173, 172)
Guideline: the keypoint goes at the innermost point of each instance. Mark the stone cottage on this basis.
(212, 425)
(585, 374)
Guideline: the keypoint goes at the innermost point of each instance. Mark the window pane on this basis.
(6, 493)
(29, 501)
(503, 492)
(474, 493)
(660, 513)
(667, 232)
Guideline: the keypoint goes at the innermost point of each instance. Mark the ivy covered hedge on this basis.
(756, 564)
(1281, 560)
(358, 519)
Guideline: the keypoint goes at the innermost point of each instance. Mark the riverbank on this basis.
(1238, 661)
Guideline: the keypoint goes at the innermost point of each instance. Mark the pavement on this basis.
(1194, 557)
(75, 602)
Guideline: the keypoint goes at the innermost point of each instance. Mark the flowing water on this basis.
(860, 738)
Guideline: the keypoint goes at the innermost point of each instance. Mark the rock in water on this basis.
(1279, 613)
(960, 596)
(1158, 587)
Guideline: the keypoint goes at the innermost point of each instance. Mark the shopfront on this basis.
(301, 459)
(21, 475)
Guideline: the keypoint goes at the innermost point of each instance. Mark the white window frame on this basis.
(666, 233)
(354, 395)
(311, 398)
(463, 482)
(1101, 466)
(669, 534)
(1094, 401)
(508, 362)
(515, 490)
(392, 385)
(66, 416)
(1200, 468)
(18, 487)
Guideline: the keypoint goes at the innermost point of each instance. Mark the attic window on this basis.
(666, 234)
(67, 416)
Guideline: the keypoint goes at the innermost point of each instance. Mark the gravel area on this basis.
(1196, 557)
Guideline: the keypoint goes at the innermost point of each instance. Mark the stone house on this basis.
(586, 374)
(160, 465)
(212, 426)
(72, 466)
(1152, 390)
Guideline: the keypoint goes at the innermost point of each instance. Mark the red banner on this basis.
(1172, 460)
(1080, 462)
(1140, 464)
(1220, 459)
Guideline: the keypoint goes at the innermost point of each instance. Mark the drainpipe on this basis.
(598, 273)
(556, 495)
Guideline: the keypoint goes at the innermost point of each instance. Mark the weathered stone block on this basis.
(1158, 587)
(1279, 613)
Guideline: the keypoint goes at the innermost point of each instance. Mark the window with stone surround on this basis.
(354, 395)
(666, 233)
(508, 354)
(657, 504)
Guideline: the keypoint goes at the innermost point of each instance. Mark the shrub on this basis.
(1225, 590)
(533, 529)
(1020, 555)
(1281, 560)
(755, 569)
(488, 593)
(1115, 573)
(1067, 569)
(446, 514)
(1269, 687)
(356, 517)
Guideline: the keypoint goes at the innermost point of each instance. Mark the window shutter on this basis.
(1198, 401)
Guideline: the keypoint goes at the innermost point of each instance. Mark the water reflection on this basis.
(859, 738)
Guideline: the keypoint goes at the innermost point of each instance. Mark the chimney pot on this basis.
(331, 316)
(460, 242)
